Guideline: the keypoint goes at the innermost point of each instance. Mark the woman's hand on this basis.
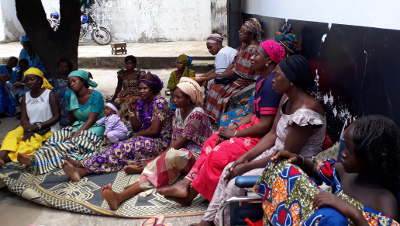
(133, 102)
(226, 133)
(27, 135)
(4, 77)
(237, 170)
(244, 101)
(234, 126)
(293, 158)
(18, 84)
(219, 140)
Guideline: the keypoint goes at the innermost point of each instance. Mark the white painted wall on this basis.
(10, 28)
(369, 13)
(136, 21)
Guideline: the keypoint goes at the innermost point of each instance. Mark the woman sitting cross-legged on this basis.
(191, 129)
(82, 137)
(299, 127)
(230, 143)
(40, 113)
(362, 183)
(151, 119)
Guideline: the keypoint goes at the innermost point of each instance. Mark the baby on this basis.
(115, 128)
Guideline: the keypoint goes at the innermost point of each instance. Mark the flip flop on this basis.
(154, 221)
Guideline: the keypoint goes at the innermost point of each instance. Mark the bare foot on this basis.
(179, 190)
(111, 197)
(73, 162)
(132, 169)
(24, 159)
(183, 201)
(71, 171)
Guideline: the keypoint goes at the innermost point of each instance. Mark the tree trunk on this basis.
(51, 45)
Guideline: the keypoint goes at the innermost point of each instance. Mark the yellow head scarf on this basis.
(37, 72)
(192, 89)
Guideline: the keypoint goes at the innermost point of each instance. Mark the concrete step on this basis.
(200, 64)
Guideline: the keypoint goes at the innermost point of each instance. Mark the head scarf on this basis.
(110, 105)
(37, 72)
(23, 39)
(274, 50)
(85, 75)
(287, 39)
(192, 89)
(187, 61)
(297, 69)
(215, 39)
(252, 25)
(159, 83)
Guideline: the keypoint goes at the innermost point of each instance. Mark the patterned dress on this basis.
(288, 193)
(206, 172)
(129, 89)
(138, 149)
(236, 114)
(301, 117)
(219, 94)
(166, 169)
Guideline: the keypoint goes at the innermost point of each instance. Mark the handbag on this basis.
(42, 131)
(225, 80)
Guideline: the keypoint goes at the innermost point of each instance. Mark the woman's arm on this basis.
(177, 144)
(72, 118)
(152, 131)
(257, 130)
(55, 110)
(89, 123)
(119, 87)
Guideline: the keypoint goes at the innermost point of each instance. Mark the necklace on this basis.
(145, 117)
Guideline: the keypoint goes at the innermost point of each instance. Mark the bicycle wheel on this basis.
(101, 36)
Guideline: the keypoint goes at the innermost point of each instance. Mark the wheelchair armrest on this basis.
(246, 181)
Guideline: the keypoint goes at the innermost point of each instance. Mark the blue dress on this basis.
(7, 103)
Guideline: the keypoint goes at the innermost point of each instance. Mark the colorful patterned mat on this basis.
(56, 190)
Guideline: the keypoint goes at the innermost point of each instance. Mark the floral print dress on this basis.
(138, 149)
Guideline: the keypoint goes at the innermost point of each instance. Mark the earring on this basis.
(266, 65)
(291, 84)
(188, 102)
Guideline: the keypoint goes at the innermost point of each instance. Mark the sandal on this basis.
(154, 221)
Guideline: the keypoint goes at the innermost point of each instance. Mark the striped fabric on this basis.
(51, 154)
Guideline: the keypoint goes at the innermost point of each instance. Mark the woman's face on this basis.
(245, 35)
(181, 100)
(280, 82)
(27, 47)
(145, 91)
(180, 65)
(75, 84)
(63, 68)
(213, 48)
(259, 59)
(33, 82)
(129, 65)
(350, 161)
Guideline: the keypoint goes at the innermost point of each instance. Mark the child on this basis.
(362, 184)
(19, 87)
(115, 128)
(7, 76)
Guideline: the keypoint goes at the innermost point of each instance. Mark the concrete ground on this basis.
(15, 210)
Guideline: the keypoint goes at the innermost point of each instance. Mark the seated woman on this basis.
(362, 184)
(191, 129)
(128, 85)
(151, 119)
(40, 113)
(27, 52)
(82, 137)
(7, 102)
(224, 56)
(230, 143)
(238, 75)
(299, 127)
(292, 46)
(60, 84)
(182, 70)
